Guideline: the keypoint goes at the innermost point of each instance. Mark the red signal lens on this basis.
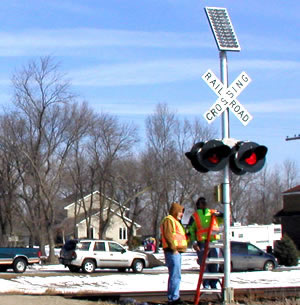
(252, 159)
(214, 159)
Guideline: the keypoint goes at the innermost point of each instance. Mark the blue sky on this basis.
(125, 57)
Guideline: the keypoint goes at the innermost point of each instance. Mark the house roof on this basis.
(295, 189)
(72, 199)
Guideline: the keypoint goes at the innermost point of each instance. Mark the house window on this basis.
(122, 233)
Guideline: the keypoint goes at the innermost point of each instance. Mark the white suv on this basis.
(88, 254)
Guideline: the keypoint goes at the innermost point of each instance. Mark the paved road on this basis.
(42, 300)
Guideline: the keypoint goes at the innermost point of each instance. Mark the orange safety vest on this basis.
(203, 223)
(179, 236)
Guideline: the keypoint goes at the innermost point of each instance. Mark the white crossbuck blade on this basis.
(227, 97)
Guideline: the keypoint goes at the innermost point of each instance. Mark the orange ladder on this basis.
(206, 260)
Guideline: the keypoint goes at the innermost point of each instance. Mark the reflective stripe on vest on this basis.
(179, 237)
(203, 226)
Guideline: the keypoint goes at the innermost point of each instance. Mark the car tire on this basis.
(268, 266)
(88, 266)
(137, 266)
(75, 269)
(19, 265)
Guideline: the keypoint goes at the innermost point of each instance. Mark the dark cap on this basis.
(201, 200)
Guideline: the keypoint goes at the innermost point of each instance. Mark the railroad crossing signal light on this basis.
(213, 155)
(193, 157)
(207, 156)
(247, 157)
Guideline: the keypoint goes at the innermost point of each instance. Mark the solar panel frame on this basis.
(222, 29)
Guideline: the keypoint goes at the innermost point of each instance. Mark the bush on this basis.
(286, 252)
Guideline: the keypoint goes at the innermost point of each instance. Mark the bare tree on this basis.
(190, 184)
(262, 208)
(49, 138)
(275, 188)
(109, 142)
(291, 176)
(166, 168)
(132, 194)
(80, 176)
(159, 162)
(51, 125)
(9, 183)
(242, 197)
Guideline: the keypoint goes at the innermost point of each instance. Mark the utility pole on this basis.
(295, 137)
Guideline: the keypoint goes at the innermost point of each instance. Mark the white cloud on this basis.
(35, 41)
(140, 73)
(72, 41)
(281, 106)
(191, 107)
(275, 106)
(266, 43)
(165, 71)
(267, 64)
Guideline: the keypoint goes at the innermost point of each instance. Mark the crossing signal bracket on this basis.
(218, 193)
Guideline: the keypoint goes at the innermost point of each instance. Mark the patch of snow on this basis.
(154, 279)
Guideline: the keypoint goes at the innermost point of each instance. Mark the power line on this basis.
(295, 137)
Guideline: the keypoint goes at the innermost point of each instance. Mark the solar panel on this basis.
(222, 29)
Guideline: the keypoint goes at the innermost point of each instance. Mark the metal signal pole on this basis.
(228, 292)
(226, 40)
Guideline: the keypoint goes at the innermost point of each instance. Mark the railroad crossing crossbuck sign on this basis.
(227, 97)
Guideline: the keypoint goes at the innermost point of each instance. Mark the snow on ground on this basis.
(103, 281)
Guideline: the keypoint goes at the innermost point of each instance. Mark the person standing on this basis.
(174, 242)
(198, 227)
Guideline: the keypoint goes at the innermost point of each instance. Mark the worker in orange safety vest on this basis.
(174, 242)
(198, 228)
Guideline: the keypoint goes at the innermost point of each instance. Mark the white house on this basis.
(117, 230)
(262, 236)
(118, 223)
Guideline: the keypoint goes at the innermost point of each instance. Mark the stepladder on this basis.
(211, 273)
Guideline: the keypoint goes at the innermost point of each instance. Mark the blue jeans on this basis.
(213, 268)
(173, 262)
